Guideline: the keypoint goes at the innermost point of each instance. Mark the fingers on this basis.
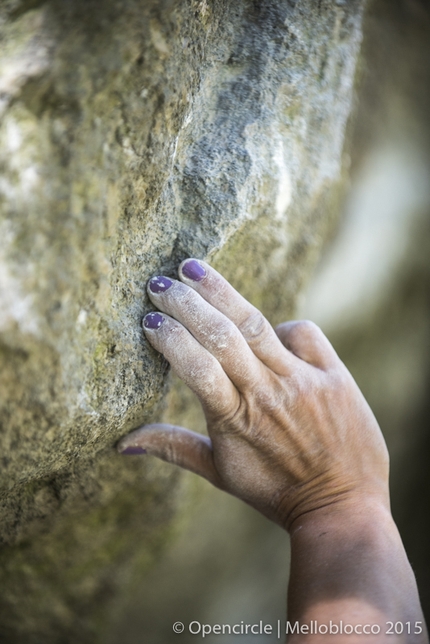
(253, 326)
(175, 445)
(211, 328)
(200, 370)
(306, 340)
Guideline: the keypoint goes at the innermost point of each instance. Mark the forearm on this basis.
(348, 565)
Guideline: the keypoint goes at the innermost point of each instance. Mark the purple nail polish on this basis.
(159, 284)
(193, 270)
(153, 320)
(132, 450)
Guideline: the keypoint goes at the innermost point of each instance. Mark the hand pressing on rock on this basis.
(290, 434)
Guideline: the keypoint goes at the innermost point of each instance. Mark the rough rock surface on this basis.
(133, 134)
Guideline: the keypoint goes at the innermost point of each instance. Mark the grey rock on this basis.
(134, 134)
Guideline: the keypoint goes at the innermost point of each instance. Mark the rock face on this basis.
(135, 133)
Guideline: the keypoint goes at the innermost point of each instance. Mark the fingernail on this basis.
(193, 270)
(132, 450)
(159, 284)
(153, 320)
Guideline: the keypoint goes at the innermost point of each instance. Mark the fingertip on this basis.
(158, 284)
(132, 450)
(192, 269)
(129, 445)
(152, 321)
(136, 442)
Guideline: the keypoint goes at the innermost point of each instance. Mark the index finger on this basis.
(256, 330)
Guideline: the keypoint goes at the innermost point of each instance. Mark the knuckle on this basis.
(170, 331)
(232, 420)
(255, 327)
(170, 452)
(271, 401)
(224, 335)
(170, 336)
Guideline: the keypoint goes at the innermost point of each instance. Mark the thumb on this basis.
(175, 445)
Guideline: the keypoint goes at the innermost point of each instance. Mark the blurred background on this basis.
(371, 296)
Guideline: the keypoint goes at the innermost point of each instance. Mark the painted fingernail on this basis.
(159, 284)
(153, 320)
(193, 270)
(133, 450)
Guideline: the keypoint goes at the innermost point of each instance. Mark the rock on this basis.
(134, 134)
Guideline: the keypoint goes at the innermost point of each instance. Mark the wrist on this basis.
(366, 514)
(351, 560)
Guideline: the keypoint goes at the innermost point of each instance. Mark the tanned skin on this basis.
(289, 433)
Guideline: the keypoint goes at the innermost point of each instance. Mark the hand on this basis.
(289, 431)
(290, 434)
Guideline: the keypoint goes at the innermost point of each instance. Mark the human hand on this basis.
(289, 431)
